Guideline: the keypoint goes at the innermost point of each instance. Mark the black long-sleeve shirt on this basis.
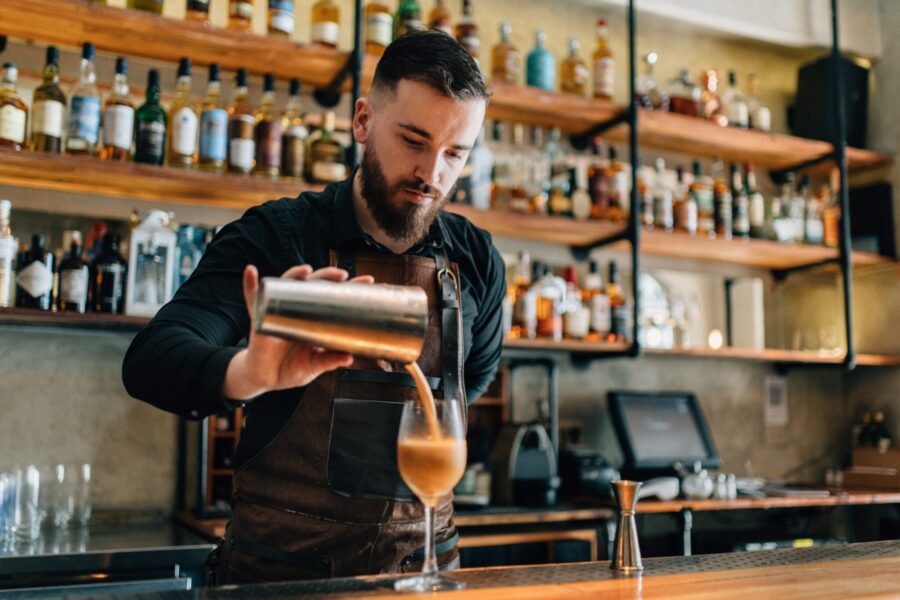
(178, 361)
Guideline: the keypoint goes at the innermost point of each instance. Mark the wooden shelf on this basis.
(88, 321)
(140, 33)
(90, 175)
(838, 497)
(579, 346)
(571, 113)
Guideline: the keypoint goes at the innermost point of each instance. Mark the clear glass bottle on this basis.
(540, 64)
(684, 95)
(187, 253)
(576, 315)
(197, 11)
(740, 224)
(813, 224)
(481, 161)
(379, 27)
(118, 117)
(183, 121)
(663, 203)
(73, 281)
(796, 209)
(241, 122)
(268, 132)
(539, 174)
(281, 20)
(83, 131)
(13, 110)
(560, 189)
(240, 15)
(736, 108)
(34, 276)
(650, 94)
(501, 186)
(408, 17)
(9, 247)
(108, 276)
(326, 20)
(550, 292)
(524, 300)
(782, 225)
(325, 155)
(604, 64)
(295, 134)
(439, 18)
(619, 188)
(573, 71)
(466, 30)
(150, 126)
(756, 203)
(760, 116)
(506, 62)
(213, 147)
(519, 199)
(48, 108)
(594, 296)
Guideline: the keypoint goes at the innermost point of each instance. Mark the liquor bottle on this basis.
(760, 116)
(9, 247)
(93, 244)
(519, 197)
(756, 204)
(736, 108)
(524, 300)
(645, 198)
(722, 202)
(560, 192)
(573, 71)
(48, 108)
(187, 254)
(506, 62)
(550, 292)
(711, 105)
(150, 125)
(407, 18)
(620, 310)
(151, 265)
(594, 296)
(293, 143)
(183, 121)
(73, 281)
(581, 199)
(831, 213)
(281, 19)
(118, 117)
(576, 315)
(540, 65)
(197, 11)
(213, 147)
(650, 94)
(598, 181)
(154, 6)
(108, 274)
(684, 95)
(663, 209)
(34, 278)
(325, 155)
(13, 110)
(241, 119)
(685, 206)
(740, 224)
(796, 209)
(240, 15)
(604, 64)
(84, 113)
(379, 27)
(439, 18)
(539, 173)
(702, 193)
(782, 225)
(619, 188)
(481, 161)
(814, 226)
(326, 19)
(466, 31)
(501, 186)
(268, 132)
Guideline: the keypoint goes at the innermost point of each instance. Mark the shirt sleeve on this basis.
(178, 361)
(487, 330)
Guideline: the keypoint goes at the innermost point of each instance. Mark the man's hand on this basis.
(270, 363)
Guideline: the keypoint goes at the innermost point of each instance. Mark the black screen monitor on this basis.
(658, 429)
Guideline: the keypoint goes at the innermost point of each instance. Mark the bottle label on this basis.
(84, 120)
(757, 211)
(601, 319)
(328, 171)
(240, 153)
(761, 119)
(111, 279)
(184, 131)
(542, 71)
(687, 217)
(815, 231)
(151, 141)
(281, 15)
(604, 77)
(214, 134)
(47, 118)
(412, 23)
(621, 319)
(268, 144)
(738, 114)
(73, 285)
(118, 126)
(36, 279)
(379, 28)
(294, 150)
(471, 42)
(326, 33)
(12, 124)
(242, 9)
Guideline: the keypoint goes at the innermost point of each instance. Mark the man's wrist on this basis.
(238, 384)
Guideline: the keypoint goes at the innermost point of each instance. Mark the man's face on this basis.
(417, 142)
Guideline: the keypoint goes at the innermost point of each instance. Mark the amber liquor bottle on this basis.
(325, 156)
(439, 18)
(268, 133)
(118, 117)
(466, 30)
(13, 111)
(506, 61)
(295, 134)
(240, 15)
(379, 27)
(573, 71)
(241, 121)
(326, 18)
(48, 108)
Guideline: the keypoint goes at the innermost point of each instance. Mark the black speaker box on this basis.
(813, 113)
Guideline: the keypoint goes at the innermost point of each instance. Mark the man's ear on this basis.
(361, 117)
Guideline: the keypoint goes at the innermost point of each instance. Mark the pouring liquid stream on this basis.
(426, 398)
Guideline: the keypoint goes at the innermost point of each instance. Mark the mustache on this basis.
(421, 187)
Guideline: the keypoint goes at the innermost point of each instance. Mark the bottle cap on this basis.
(121, 66)
(87, 51)
(214, 72)
(269, 82)
(242, 78)
(295, 87)
(52, 55)
(184, 67)
(153, 79)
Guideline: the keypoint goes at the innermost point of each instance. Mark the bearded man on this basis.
(317, 491)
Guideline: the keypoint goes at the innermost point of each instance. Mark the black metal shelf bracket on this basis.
(581, 252)
(582, 141)
(634, 228)
(778, 175)
(780, 275)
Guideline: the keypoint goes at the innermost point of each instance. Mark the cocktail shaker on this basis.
(374, 320)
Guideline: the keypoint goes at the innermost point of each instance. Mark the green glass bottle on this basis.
(150, 126)
(408, 17)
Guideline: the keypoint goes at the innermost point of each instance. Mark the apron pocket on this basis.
(362, 455)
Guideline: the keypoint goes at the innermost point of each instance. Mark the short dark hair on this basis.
(435, 59)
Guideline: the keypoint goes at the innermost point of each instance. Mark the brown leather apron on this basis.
(325, 498)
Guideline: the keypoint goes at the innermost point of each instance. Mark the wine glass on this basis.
(431, 455)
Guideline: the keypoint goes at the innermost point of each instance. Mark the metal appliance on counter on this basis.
(585, 473)
(525, 471)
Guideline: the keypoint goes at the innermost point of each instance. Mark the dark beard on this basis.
(408, 223)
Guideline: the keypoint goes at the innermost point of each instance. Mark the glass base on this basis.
(427, 583)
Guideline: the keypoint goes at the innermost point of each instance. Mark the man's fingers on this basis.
(363, 279)
(297, 272)
(330, 274)
(251, 283)
(329, 360)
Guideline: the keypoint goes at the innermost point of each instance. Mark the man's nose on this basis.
(428, 169)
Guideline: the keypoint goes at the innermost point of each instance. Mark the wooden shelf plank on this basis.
(140, 33)
(767, 355)
(566, 346)
(89, 321)
(571, 113)
(838, 497)
(90, 175)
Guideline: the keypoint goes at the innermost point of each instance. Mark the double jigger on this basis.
(626, 557)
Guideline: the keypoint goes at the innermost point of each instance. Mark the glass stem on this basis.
(429, 566)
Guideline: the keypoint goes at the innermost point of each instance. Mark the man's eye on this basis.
(455, 155)
(412, 142)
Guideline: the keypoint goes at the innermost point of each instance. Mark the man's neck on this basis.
(368, 223)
